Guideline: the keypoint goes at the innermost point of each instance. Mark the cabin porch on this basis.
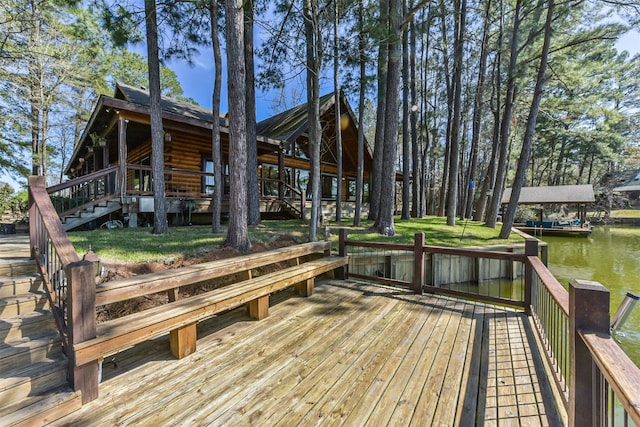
(351, 354)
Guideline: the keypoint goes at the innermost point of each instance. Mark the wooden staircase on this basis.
(90, 213)
(33, 368)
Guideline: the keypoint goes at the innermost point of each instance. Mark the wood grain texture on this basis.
(351, 354)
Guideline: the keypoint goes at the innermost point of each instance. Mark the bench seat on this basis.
(131, 287)
(122, 333)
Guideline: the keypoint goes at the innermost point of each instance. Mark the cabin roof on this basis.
(557, 194)
(140, 96)
(628, 181)
(289, 124)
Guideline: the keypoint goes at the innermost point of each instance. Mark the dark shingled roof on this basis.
(291, 123)
(559, 194)
(141, 96)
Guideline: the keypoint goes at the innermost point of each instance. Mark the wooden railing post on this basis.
(34, 181)
(418, 263)
(530, 249)
(81, 324)
(588, 311)
(343, 272)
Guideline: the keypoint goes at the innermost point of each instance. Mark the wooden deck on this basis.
(352, 354)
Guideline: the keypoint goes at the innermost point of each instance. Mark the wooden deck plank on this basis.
(434, 332)
(221, 349)
(351, 354)
(467, 409)
(405, 328)
(396, 378)
(258, 368)
(428, 400)
(288, 370)
(295, 386)
(453, 386)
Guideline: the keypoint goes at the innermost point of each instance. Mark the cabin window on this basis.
(329, 185)
(142, 177)
(302, 182)
(270, 180)
(208, 184)
(351, 190)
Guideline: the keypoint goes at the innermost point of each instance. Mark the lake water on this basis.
(610, 256)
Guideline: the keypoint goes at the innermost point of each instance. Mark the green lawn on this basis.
(140, 245)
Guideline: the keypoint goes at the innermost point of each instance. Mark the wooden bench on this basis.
(179, 317)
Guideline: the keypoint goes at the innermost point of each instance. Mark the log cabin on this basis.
(110, 169)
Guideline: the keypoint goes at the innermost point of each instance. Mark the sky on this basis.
(197, 83)
(197, 80)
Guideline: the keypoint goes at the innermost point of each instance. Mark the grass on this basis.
(140, 245)
(626, 213)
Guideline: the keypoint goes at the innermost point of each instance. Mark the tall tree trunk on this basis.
(490, 177)
(314, 60)
(160, 225)
(237, 235)
(378, 148)
(444, 193)
(417, 189)
(478, 104)
(406, 148)
(253, 189)
(505, 125)
(384, 223)
(361, 106)
(216, 149)
(527, 143)
(35, 89)
(338, 125)
(460, 8)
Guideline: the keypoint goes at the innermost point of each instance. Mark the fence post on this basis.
(343, 272)
(530, 249)
(81, 325)
(418, 263)
(588, 311)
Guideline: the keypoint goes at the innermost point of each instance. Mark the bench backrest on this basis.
(131, 287)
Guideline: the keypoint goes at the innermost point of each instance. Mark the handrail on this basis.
(557, 291)
(81, 180)
(69, 282)
(51, 222)
(622, 375)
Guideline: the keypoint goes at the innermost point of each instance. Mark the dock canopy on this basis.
(558, 194)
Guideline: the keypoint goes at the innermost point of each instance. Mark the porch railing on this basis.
(599, 385)
(88, 190)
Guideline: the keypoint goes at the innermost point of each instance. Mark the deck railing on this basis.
(65, 276)
(599, 385)
(550, 312)
(487, 275)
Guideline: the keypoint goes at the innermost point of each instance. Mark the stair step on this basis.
(17, 354)
(20, 285)
(32, 380)
(30, 325)
(41, 410)
(23, 304)
(16, 266)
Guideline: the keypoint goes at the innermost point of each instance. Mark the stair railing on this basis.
(85, 191)
(69, 282)
(294, 199)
